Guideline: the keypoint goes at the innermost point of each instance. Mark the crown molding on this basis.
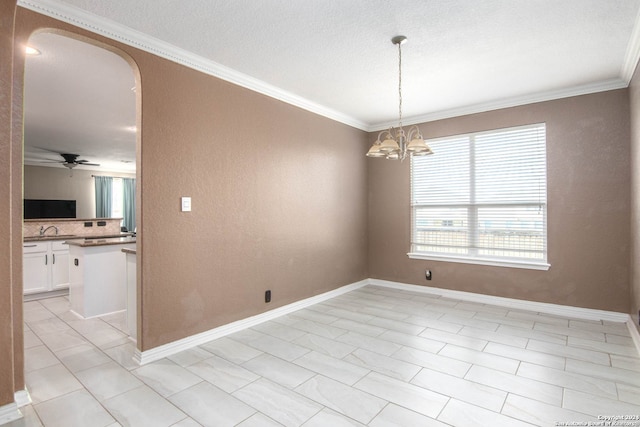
(632, 55)
(118, 32)
(123, 34)
(606, 85)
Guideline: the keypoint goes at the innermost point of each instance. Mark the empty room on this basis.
(319, 213)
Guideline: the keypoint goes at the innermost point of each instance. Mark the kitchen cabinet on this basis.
(45, 266)
(59, 265)
(35, 267)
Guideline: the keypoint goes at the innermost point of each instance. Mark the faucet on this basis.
(44, 230)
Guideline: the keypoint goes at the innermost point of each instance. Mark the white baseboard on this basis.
(174, 347)
(43, 295)
(633, 331)
(22, 398)
(81, 317)
(9, 412)
(538, 307)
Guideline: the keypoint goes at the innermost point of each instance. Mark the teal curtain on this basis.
(103, 196)
(129, 203)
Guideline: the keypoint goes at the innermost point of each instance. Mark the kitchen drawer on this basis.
(59, 245)
(33, 247)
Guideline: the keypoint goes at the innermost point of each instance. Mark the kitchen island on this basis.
(97, 275)
(132, 291)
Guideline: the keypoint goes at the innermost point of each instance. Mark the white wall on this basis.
(57, 183)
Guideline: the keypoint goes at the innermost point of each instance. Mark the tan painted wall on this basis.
(42, 182)
(279, 200)
(588, 208)
(11, 367)
(634, 101)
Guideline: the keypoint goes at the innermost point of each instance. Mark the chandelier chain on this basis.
(400, 84)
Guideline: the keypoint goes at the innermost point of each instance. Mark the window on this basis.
(117, 199)
(482, 198)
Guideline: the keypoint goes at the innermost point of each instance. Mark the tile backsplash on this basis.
(77, 227)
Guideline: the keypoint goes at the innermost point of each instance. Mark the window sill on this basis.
(530, 265)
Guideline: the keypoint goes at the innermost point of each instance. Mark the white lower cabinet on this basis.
(35, 267)
(45, 266)
(59, 265)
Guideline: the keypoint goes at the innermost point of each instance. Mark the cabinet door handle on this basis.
(46, 259)
(29, 246)
(54, 258)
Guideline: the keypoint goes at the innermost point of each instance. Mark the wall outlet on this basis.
(267, 296)
(428, 275)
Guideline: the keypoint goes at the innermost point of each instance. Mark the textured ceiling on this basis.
(335, 57)
(78, 99)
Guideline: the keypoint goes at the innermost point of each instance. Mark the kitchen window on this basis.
(117, 199)
(482, 199)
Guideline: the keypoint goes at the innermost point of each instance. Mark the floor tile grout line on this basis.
(305, 333)
(98, 401)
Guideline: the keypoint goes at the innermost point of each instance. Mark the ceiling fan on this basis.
(71, 161)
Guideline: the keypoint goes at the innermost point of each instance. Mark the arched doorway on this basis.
(81, 112)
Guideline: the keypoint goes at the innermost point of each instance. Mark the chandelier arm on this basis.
(414, 130)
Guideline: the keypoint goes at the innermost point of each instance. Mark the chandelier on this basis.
(394, 143)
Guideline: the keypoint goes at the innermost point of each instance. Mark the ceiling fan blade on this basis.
(87, 164)
(48, 149)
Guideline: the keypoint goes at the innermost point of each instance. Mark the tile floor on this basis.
(375, 357)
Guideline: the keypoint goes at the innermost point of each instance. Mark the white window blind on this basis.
(482, 198)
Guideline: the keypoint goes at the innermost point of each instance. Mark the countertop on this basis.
(71, 236)
(38, 220)
(90, 242)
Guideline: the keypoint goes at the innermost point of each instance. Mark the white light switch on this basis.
(186, 204)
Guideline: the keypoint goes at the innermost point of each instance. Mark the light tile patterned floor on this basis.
(375, 356)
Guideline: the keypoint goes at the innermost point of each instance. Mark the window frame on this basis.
(473, 208)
